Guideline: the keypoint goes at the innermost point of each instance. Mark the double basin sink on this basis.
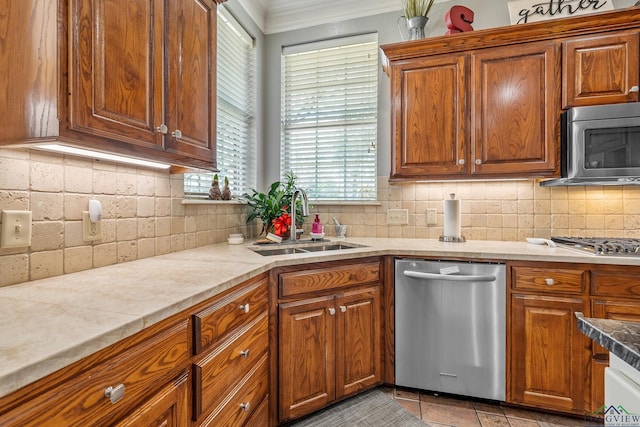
(303, 247)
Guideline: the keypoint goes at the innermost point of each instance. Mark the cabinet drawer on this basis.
(215, 376)
(625, 284)
(303, 282)
(260, 417)
(82, 401)
(236, 309)
(245, 398)
(548, 279)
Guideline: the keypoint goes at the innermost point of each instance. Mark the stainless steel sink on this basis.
(303, 248)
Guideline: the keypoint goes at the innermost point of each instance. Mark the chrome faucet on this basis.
(305, 210)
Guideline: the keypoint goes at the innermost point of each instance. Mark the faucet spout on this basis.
(305, 210)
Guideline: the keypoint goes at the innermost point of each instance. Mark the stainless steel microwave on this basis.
(600, 145)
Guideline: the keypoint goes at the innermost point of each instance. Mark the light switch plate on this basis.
(16, 229)
(397, 216)
(90, 230)
(432, 217)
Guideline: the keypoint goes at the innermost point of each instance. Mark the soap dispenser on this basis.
(316, 227)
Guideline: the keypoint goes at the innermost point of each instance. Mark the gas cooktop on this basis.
(615, 246)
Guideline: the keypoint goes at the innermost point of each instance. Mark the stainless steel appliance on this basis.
(601, 145)
(618, 246)
(450, 327)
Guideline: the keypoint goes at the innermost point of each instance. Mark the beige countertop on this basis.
(48, 324)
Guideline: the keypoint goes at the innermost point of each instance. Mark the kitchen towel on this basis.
(452, 219)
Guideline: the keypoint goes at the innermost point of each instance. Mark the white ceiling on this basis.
(274, 16)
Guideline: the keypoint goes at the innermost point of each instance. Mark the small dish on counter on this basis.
(317, 236)
(235, 239)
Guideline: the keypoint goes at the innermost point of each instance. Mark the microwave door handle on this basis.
(450, 277)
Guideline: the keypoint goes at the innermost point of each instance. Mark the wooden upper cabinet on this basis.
(191, 85)
(600, 69)
(515, 110)
(115, 55)
(136, 78)
(143, 73)
(28, 70)
(429, 117)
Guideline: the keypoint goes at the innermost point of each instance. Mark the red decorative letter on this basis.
(458, 19)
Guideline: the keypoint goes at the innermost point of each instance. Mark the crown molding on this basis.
(276, 16)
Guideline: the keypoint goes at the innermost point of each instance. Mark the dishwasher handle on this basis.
(450, 277)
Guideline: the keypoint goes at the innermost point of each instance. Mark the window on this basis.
(235, 140)
(329, 117)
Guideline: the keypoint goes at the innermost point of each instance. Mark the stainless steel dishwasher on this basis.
(450, 328)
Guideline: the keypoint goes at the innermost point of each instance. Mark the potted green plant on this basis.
(274, 204)
(413, 8)
(415, 16)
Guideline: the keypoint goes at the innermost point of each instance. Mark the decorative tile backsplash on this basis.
(144, 214)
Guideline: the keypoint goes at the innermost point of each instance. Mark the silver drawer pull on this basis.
(634, 89)
(550, 282)
(114, 394)
(244, 307)
(163, 129)
(332, 311)
(343, 308)
(244, 353)
(245, 406)
(177, 134)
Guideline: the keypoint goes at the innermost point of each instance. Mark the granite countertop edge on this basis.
(621, 338)
(108, 304)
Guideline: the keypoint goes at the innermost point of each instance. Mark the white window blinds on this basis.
(329, 117)
(235, 140)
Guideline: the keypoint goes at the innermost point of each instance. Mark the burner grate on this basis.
(601, 246)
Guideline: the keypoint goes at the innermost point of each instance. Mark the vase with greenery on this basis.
(274, 207)
(416, 16)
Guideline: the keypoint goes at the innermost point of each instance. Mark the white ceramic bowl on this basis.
(317, 236)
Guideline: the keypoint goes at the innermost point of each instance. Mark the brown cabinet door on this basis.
(307, 356)
(28, 70)
(547, 352)
(429, 117)
(514, 110)
(603, 309)
(191, 78)
(600, 69)
(167, 408)
(358, 343)
(115, 76)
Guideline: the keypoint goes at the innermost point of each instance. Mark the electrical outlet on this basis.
(16, 229)
(90, 230)
(432, 217)
(397, 216)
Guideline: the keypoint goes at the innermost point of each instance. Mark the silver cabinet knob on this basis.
(332, 311)
(478, 162)
(163, 129)
(114, 394)
(244, 307)
(550, 281)
(634, 89)
(177, 134)
(461, 161)
(244, 353)
(343, 308)
(245, 406)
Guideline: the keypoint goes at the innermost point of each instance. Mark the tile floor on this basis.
(446, 411)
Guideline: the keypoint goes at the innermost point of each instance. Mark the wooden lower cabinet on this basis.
(548, 354)
(329, 348)
(606, 309)
(167, 408)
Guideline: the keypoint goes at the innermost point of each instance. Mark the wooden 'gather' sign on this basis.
(523, 11)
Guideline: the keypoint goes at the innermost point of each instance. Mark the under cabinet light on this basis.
(99, 155)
